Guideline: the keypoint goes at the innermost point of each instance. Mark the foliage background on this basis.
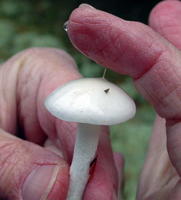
(38, 23)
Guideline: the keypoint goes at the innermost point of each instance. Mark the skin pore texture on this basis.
(128, 48)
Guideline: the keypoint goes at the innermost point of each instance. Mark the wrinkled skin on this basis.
(38, 167)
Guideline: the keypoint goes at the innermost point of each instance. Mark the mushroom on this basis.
(90, 102)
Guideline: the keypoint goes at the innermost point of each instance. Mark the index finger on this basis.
(131, 48)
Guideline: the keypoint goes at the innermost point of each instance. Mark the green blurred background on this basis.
(38, 23)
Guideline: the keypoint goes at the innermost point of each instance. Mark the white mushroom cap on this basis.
(92, 101)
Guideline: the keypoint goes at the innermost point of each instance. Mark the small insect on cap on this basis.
(92, 101)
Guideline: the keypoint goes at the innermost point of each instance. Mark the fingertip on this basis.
(163, 10)
(29, 171)
(76, 26)
(165, 19)
(84, 25)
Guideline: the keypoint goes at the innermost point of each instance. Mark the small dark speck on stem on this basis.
(95, 159)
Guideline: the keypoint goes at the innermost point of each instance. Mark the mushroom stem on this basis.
(84, 152)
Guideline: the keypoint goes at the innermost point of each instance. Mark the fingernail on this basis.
(39, 182)
(86, 5)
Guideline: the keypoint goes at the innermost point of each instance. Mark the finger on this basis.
(156, 169)
(30, 172)
(27, 73)
(134, 49)
(113, 42)
(165, 19)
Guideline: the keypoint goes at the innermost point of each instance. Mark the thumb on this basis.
(30, 172)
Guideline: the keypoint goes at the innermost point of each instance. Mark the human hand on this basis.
(154, 64)
(38, 168)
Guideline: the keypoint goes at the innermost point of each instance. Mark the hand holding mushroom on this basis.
(40, 165)
(35, 168)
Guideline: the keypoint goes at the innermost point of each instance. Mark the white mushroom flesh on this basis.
(90, 102)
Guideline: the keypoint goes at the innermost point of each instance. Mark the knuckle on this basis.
(42, 53)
